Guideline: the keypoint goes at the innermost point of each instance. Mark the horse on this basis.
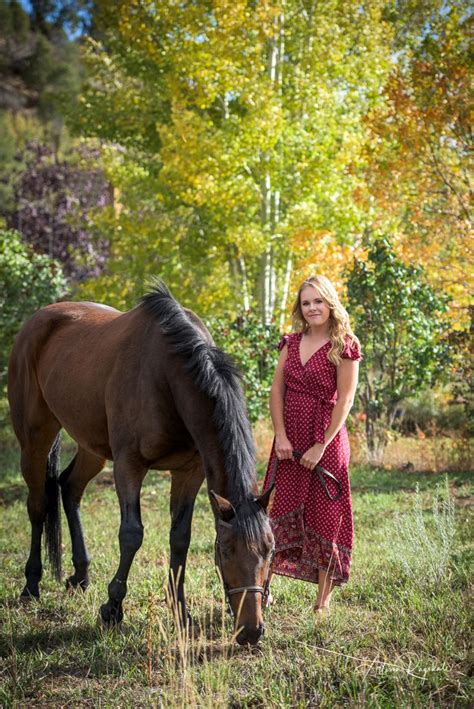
(146, 389)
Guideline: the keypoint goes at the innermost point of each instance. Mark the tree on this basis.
(39, 65)
(71, 16)
(28, 281)
(240, 128)
(399, 319)
(419, 166)
(48, 185)
(53, 208)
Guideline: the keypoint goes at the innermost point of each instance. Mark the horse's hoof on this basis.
(110, 617)
(27, 595)
(72, 583)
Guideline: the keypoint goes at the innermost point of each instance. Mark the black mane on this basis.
(215, 374)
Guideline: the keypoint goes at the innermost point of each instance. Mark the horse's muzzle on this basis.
(250, 636)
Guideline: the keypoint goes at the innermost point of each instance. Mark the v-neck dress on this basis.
(311, 531)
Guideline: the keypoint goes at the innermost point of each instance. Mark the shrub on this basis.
(424, 548)
(254, 349)
(28, 281)
(433, 410)
(398, 317)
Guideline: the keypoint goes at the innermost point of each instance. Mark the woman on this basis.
(311, 396)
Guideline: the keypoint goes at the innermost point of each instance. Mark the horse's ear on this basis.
(223, 509)
(264, 499)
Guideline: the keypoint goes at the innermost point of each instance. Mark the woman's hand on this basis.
(312, 456)
(283, 447)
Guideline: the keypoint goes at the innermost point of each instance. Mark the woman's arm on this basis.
(283, 447)
(347, 375)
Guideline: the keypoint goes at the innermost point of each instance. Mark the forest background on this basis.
(233, 148)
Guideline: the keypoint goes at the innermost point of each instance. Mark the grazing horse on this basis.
(147, 389)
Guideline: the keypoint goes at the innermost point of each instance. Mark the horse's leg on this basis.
(129, 475)
(185, 484)
(34, 466)
(73, 481)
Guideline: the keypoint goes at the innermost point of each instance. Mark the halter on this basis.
(264, 590)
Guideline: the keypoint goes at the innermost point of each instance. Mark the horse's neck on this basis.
(227, 458)
(214, 468)
(218, 466)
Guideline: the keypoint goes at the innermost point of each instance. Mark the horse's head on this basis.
(244, 552)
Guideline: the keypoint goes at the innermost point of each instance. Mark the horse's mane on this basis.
(216, 376)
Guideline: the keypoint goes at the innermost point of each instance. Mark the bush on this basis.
(28, 281)
(254, 349)
(433, 410)
(424, 549)
(399, 319)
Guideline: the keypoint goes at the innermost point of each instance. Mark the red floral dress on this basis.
(311, 531)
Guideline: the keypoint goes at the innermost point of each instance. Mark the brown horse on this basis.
(146, 389)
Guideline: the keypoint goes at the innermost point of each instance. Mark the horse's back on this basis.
(104, 375)
(47, 323)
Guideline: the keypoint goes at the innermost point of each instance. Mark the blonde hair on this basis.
(339, 325)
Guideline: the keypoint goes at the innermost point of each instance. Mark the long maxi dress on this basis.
(311, 531)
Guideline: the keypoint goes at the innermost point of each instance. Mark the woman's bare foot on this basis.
(325, 589)
(321, 613)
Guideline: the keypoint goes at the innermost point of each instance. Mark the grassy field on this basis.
(398, 633)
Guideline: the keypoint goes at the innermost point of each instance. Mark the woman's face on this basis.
(315, 310)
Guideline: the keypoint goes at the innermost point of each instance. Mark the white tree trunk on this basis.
(286, 289)
(245, 287)
(271, 199)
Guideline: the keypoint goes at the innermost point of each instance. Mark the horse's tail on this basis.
(53, 509)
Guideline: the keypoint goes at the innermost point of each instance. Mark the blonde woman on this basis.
(312, 393)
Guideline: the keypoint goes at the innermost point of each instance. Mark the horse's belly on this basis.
(96, 444)
(174, 461)
(79, 407)
(86, 427)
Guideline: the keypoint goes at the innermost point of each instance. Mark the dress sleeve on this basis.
(284, 341)
(351, 351)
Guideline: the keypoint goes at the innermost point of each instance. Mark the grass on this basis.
(397, 636)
